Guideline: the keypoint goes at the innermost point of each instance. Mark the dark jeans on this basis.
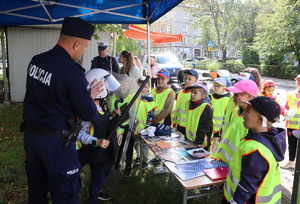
(100, 170)
(292, 140)
(51, 167)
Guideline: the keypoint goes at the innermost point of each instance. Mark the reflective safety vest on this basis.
(179, 115)
(120, 131)
(160, 99)
(193, 118)
(269, 190)
(111, 102)
(219, 106)
(144, 107)
(231, 107)
(293, 122)
(227, 149)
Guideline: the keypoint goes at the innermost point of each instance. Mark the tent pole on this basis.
(149, 51)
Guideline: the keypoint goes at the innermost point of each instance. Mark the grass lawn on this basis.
(141, 188)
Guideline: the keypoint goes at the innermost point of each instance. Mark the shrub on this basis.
(234, 66)
(249, 56)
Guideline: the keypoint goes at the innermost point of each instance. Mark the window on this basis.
(169, 28)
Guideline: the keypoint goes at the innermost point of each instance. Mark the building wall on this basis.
(181, 21)
(23, 44)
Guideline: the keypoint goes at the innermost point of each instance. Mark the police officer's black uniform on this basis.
(56, 91)
(108, 63)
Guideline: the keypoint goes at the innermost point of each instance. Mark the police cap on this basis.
(77, 27)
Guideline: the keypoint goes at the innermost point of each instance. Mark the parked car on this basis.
(167, 62)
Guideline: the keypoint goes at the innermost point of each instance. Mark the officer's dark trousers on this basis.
(100, 169)
(51, 167)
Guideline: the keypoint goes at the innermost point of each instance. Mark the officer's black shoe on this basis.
(103, 196)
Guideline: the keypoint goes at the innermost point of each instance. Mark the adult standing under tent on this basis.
(129, 66)
(52, 98)
(105, 61)
(154, 69)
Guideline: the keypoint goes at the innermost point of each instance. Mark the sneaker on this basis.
(103, 196)
(289, 165)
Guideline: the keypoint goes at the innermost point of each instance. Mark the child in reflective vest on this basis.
(183, 97)
(145, 108)
(219, 100)
(199, 116)
(255, 177)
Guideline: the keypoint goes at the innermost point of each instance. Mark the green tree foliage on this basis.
(112, 28)
(249, 56)
(130, 45)
(228, 23)
(279, 29)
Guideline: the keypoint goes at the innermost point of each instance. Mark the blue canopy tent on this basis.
(45, 12)
(39, 12)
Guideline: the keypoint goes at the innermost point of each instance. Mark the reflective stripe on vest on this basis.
(219, 107)
(179, 116)
(160, 99)
(193, 121)
(267, 199)
(293, 122)
(229, 114)
(144, 107)
(269, 190)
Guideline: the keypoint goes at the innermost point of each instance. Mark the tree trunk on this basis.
(224, 54)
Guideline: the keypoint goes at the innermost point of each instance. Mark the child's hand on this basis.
(103, 143)
(96, 88)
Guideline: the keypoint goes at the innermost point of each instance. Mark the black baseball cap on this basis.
(267, 107)
(77, 27)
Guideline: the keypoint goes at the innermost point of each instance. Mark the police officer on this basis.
(105, 61)
(56, 91)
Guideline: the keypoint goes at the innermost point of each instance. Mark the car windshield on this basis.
(166, 59)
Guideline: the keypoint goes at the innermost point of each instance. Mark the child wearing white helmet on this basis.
(97, 151)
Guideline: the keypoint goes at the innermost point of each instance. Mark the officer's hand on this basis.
(96, 88)
(103, 143)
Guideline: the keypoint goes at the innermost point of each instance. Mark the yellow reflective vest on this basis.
(160, 98)
(193, 118)
(269, 191)
(179, 115)
(144, 107)
(219, 106)
(294, 121)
